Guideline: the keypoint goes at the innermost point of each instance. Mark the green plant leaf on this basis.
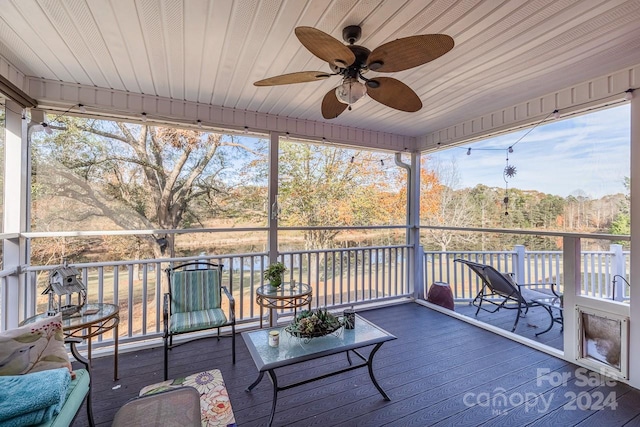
(28, 337)
(53, 358)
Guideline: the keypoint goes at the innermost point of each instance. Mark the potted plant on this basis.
(315, 323)
(275, 273)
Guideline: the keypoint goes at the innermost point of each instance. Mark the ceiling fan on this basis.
(353, 61)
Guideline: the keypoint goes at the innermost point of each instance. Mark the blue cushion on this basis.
(194, 290)
(196, 320)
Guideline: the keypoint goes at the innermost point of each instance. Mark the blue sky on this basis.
(587, 155)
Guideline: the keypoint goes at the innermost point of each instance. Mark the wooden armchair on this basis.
(194, 303)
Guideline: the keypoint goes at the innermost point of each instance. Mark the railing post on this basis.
(618, 268)
(420, 284)
(518, 263)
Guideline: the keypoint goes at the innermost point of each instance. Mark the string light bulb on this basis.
(246, 129)
(628, 94)
(556, 114)
(353, 158)
(82, 108)
(46, 128)
(382, 162)
(469, 151)
(199, 123)
(510, 149)
(143, 116)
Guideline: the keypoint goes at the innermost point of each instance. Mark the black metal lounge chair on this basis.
(501, 291)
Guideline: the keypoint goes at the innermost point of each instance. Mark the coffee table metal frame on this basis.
(293, 350)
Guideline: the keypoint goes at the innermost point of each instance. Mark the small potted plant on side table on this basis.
(275, 274)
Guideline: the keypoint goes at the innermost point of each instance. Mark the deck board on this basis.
(536, 320)
(432, 372)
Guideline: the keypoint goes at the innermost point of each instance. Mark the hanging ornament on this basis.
(510, 171)
(506, 202)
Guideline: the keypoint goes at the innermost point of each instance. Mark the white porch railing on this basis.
(531, 267)
(338, 278)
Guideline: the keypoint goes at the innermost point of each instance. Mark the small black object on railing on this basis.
(613, 293)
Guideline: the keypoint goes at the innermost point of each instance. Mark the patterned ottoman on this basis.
(214, 400)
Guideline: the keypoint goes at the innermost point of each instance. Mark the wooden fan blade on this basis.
(331, 107)
(299, 77)
(393, 93)
(409, 52)
(325, 47)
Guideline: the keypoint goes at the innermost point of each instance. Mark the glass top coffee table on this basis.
(292, 350)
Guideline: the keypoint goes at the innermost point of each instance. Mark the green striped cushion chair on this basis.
(195, 302)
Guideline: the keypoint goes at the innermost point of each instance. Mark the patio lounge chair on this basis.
(194, 303)
(501, 291)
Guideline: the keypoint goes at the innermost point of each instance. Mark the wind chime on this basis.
(508, 172)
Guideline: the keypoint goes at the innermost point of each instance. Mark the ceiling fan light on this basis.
(350, 91)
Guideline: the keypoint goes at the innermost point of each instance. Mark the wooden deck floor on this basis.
(440, 371)
(536, 320)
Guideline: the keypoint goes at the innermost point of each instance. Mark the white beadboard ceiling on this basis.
(211, 51)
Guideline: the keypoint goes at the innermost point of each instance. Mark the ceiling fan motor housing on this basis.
(358, 66)
(351, 33)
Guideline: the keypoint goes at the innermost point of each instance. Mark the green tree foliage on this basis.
(622, 221)
(621, 225)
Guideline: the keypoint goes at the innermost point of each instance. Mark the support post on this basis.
(14, 214)
(571, 267)
(634, 309)
(273, 210)
(416, 285)
(414, 228)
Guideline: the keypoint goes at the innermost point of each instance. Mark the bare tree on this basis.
(455, 208)
(134, 176)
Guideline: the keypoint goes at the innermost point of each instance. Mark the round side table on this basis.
(288, 295)
(91, 321)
